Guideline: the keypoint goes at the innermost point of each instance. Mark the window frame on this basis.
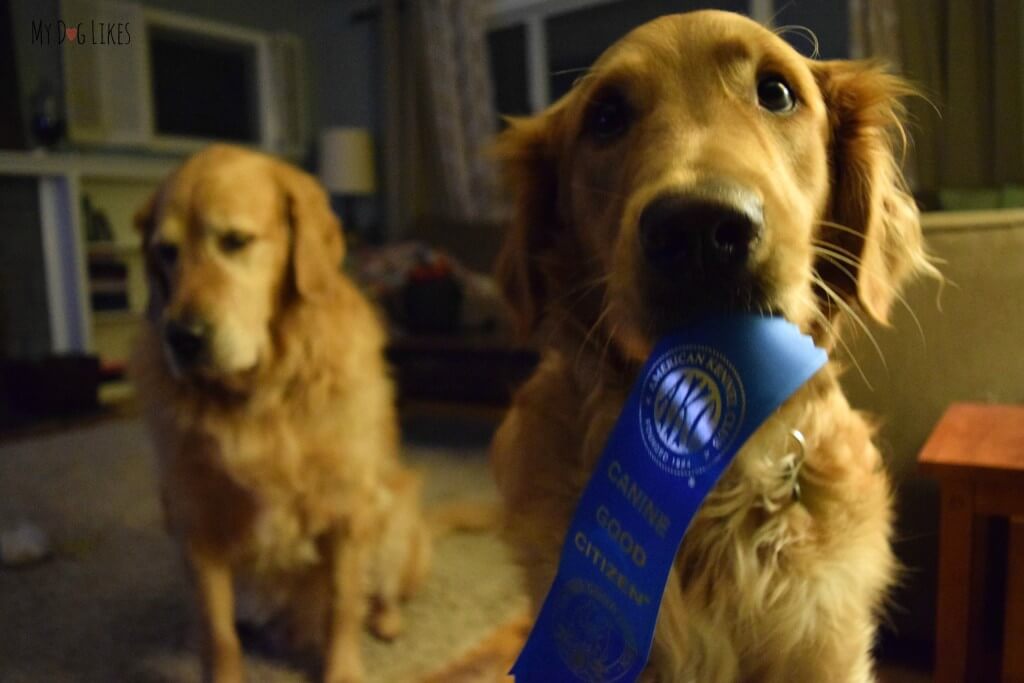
(533, 16)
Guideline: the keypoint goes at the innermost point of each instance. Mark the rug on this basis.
(111, 604)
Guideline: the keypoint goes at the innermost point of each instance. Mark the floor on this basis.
(110, 604)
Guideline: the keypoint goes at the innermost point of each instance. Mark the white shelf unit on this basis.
(116, 185)
(118, 199)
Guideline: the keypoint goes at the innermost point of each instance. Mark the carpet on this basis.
(111, 604)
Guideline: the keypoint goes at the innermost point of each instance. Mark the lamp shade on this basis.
(346, 161)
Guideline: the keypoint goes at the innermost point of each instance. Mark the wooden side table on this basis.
(977, 454)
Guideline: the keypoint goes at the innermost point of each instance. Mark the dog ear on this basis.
(143, 218)
(158, 286)
(875, 222)
(527, 153)
(317, 246)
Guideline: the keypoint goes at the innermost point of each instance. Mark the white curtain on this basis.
(439, 113)
(874, 31)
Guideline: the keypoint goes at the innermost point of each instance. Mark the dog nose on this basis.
(186, 339)
(708, 229)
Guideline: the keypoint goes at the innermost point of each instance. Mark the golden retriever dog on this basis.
(261, 371)
(702, 165)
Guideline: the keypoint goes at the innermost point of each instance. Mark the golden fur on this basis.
(278, 454)
(764, 588)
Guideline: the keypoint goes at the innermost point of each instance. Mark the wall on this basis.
(961, 346)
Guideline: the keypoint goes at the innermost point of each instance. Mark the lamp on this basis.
(346, 166)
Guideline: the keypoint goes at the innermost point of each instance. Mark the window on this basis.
(507, 48)
(577, 38)
(538, 48)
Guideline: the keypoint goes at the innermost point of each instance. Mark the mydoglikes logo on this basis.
(91, 32)
(691, 409)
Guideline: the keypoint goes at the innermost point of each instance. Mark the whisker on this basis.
(839, 340)
(831, 256)
(587, 284)
(850, 257)
(920, 94)
(563, 72)
(803, 31)
(847, 229)
(780, 10)
(895, 292)
(836, 260)
(586, 339)
(827, 326)
(853, 314)
(581, 289)
(608, 344)
(842, 228)
(914, 537)
(824, 250)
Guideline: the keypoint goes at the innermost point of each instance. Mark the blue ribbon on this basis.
(698, 398)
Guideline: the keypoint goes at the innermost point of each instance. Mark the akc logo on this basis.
(81, 33)
(593, 639)
(690, 410)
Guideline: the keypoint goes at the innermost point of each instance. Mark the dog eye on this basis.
(167, 253)
(609, 117)
(775, 95)
(233, 241)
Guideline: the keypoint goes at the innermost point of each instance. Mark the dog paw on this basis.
(225, 666)
(347, 677)
(226, 674)
(346, 668)
(386, 624)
